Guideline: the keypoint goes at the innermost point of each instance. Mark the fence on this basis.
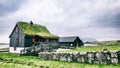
(39, 47)
(104, 57)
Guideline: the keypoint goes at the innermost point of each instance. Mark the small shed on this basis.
(74, 41)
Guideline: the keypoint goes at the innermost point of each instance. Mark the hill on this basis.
(88, 39)
(107, 43)
(101, 45)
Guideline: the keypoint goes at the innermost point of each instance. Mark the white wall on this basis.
(18, 49)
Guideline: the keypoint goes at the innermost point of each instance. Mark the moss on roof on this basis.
(35, 29)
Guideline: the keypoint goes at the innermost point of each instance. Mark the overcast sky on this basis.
(98, 19)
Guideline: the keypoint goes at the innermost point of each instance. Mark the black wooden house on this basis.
(24, 35)
(72, 41)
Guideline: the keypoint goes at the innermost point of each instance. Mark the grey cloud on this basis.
(5, 26)
(110, 19)
(8, 6)
(86, 18)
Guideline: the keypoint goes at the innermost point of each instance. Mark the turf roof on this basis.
(35, 29)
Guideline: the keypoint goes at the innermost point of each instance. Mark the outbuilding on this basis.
(74, 41)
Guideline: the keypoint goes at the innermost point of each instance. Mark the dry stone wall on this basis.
(104, 57)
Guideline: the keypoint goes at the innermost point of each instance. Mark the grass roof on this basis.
(35, 29)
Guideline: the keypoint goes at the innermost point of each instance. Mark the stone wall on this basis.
(104, 57)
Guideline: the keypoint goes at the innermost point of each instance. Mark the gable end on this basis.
(15, 29)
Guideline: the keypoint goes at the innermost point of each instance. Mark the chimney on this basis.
(31, 22)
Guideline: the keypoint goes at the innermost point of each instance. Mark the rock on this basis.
(104, 57)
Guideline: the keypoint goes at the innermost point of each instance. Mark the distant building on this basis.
(74, 41)
(24, 35)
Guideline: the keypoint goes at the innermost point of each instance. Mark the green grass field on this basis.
(8, 60)
(109, 45)
(94, 48)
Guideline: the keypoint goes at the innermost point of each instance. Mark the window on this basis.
(54, 41)
(20, 39)
(47, 40)
(16, 29)
(34, 40)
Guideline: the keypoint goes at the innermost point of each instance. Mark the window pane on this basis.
(33, 40)
(47, 40)
(16, 29)
(20, 39)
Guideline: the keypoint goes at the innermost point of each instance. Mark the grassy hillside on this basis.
(94, 48)
(8, 60)
(107, 43)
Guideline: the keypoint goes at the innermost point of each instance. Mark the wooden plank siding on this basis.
(14, 38)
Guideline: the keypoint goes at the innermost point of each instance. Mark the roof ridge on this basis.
(70, 36)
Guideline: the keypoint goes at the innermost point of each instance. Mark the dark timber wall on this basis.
(28, 41)
(14, 38)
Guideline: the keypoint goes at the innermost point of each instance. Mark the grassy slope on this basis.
(94, 48)
(8, 60)
(35, 29)
(110, 45)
